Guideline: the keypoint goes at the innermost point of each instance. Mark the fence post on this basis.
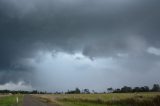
(17, 100)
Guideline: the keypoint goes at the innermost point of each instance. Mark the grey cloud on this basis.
(95, 28)
(154, 51)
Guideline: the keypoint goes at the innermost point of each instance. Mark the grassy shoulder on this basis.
(112, 99)
(11, 100)
(119, 99)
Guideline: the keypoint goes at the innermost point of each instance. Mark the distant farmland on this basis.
(112, 99)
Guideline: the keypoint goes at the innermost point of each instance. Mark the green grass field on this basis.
(10, 100)
(112, 99)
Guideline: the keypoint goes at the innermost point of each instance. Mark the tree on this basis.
(34, 92)
(126, 89)
(156, 88)
(86, 91)
(77, 91)
(110, 89)
(117, 90)
(146, 88)
(136, 89)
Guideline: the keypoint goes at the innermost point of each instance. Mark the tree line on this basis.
(22, 92)
(125, 89)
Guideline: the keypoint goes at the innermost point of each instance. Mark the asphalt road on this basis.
(33, 101)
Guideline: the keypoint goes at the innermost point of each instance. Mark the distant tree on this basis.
(94, 91)
(136, 89)
(110, 89)
(86, 91)
(156, 88)
(117, 90)
(144, 89)
(34, 92)
(126, 89)
(77, 91)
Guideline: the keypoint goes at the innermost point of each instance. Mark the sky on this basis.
(56, 45)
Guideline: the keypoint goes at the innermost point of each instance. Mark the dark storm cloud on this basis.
(96, 28)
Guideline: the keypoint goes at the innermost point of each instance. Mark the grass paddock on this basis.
(112, 99)
(10, 100)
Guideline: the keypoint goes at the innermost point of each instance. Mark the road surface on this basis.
(33, 101)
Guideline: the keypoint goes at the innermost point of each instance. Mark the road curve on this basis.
(33, 101)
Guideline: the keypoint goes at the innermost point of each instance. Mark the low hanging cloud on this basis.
(153, 50)
(18, 86)
(126, 31)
